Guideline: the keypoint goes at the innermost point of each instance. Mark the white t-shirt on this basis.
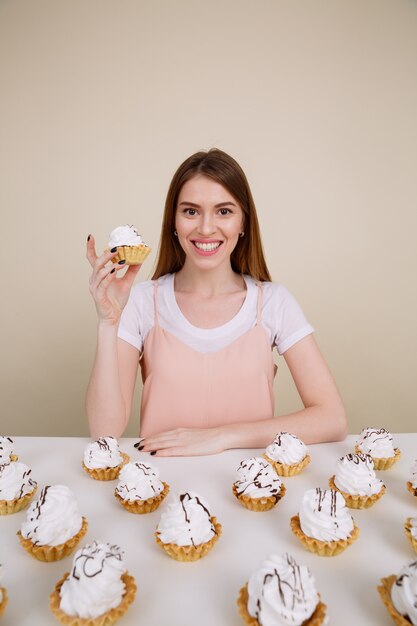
(281, 316)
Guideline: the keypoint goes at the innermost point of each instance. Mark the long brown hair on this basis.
(248, 256)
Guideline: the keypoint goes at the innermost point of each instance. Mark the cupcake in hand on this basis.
(378, 443)
(6, 450)
(3, 593)
(140, 489)
(410, 527)
(258, 487)
(187, 530)
(130, 246)
(17, 487)
(399, 594)
(97, 591)
(53, 526)
(357, 482)
(412, 483)
(324, 525)
(103, 459)
(287, 454)
(281, 592)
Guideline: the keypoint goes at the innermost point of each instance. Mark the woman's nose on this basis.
(207, 225)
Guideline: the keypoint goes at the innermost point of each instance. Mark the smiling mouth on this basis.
(207, 247)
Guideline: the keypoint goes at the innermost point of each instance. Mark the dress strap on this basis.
(259, 304)
(155, 303)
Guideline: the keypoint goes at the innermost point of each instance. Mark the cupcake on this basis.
(186, 530)
(3, 593)
(287, 454)
(53, 526)
(103, 459)
(258, 487)
(377, 442)
(357, 482)
(281, 592)
(17, 488)
(399, 594)
(412, 483)
(324, 524)
(411, 531)
(6, 450)
(130, 245)
(140, 489)
(97, 591)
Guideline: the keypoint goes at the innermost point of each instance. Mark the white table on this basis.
(204, 593)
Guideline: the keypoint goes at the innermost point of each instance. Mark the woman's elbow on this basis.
(338, 424)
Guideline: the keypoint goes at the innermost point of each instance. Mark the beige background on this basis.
(100, 102)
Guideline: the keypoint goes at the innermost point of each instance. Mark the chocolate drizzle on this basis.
(187, 497)
(94, 555)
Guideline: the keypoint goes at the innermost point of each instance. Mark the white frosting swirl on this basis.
(53, 518)
(102, 453)
(355, 475)
(186, 521)
(377, 442)
(287, 449)
(282, 593)
(413, 527)
(6, 449)
(257, 479)
(125, 236)
(324, 515)
(404, 592)
(139, 481)
(15, 481)
(413, 478)
(94, 585)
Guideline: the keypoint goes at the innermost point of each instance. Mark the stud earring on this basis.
(242, 234)
(175, 233)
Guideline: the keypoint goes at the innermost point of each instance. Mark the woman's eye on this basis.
(190, 211)
(224, 211)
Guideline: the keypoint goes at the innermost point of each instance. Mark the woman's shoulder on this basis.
(271, 291)
(148, 286)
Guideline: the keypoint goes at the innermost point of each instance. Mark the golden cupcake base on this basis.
(381, 463)
(190, 553)
(8, 507)
(411, 489)
(144, 506)
(322, 548)
(13, 457)
(49, 554)
(407, 528)
(259, 504)
(385, 593)
(354, 501)
(288, 470)
(133, 255)
(108, 618)
(316, 618)
(107, 473)
(3, 602)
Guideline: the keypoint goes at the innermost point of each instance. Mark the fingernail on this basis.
(113, 249)
(141, 447)
(122, 262)
(113, 270)
(138, 443)
(89, 237)
(153, 452)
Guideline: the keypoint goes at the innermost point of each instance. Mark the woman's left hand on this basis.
(185, 442)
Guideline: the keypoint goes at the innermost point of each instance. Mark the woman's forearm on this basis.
(105, 406)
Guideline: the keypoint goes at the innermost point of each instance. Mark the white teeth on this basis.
(207, 247)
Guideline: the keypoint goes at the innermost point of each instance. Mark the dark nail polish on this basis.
(89, 237)
(140, 447)
(113, 270)
(138, 443)
(122, 262)
(153, 452)
(113, 249)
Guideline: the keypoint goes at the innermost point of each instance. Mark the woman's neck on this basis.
(208, 283)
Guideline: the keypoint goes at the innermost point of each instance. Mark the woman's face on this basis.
(208, 221)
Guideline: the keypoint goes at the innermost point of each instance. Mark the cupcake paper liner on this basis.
(322, 548)
(107, 473)
(259, 504)
(144, 506)
(316, 619)
(133, 255)
(385, 593)
(382, 463)
(106, 619)
(7, 507)
(288, 470)
(3, 603)
(407, 528)
(190, 553)
(411, 489)
(354, 501)
(53, 553)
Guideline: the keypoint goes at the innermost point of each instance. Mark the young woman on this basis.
(203, 330)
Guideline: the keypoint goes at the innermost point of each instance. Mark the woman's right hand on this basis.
(109, 292)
